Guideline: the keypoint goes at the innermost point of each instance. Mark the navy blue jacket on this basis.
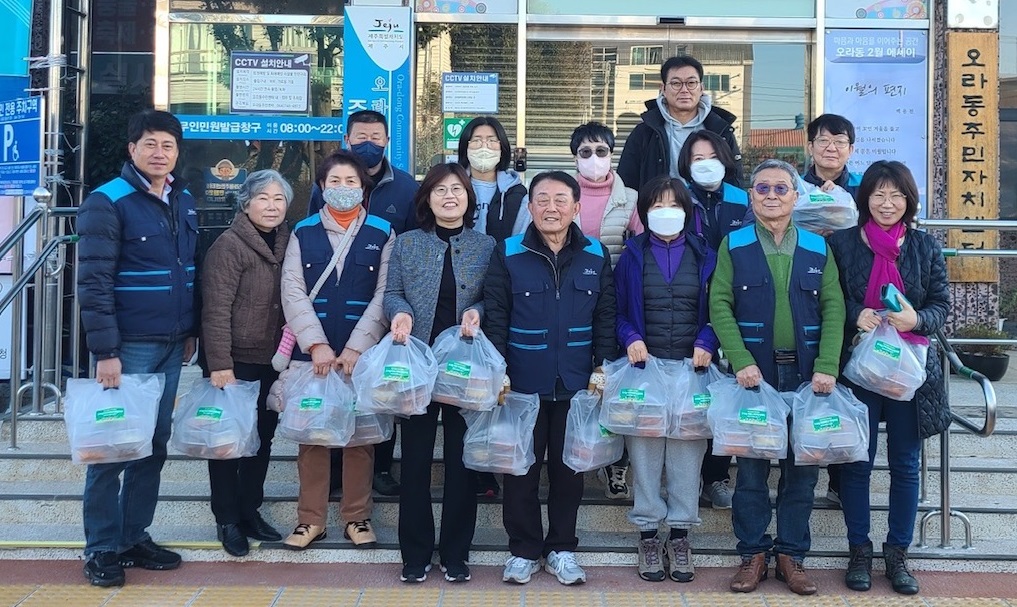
(720, 213)
(391, 199)
(755, 298)
(136, 266)
(551, 316)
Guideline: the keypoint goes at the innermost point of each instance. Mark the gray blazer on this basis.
(414, 275)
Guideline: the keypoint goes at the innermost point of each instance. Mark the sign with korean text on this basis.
(279, 128)
(470, 92)
(877, 9)
(270, 83)
(20, 145)
(470, 7)
(878, 79)
(972, 141)
(376, 69)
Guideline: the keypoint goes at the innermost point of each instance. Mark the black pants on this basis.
(382, 459)
(238, 485)
(715, 467)
(521, 506)
(458, 502)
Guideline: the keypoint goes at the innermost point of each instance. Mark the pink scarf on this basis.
(884, 269)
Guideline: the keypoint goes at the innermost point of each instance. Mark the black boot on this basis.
(859, 569)
(897, 570)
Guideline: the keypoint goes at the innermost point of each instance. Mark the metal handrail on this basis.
(988, 392)
(22, 229)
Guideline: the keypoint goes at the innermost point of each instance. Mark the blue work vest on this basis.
(340, 304)
(755, 298)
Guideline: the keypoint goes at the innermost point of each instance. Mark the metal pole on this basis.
(944, 469)
(17, 263)
(84, 110)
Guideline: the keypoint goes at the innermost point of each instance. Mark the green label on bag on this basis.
(604, 432)
(820, 198)
(109, 415)
(701, 401)
(891, 352)
(310, 404)
(209, 413)
(458, 369)
(396, 373)
(754, 417)
(632, 395)
(826, 424)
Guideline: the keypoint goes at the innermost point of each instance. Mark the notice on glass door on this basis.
(270, 83)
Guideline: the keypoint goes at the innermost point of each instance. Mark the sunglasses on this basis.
(763, 189)
(601, 152)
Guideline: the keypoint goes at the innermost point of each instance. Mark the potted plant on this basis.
(990, 360)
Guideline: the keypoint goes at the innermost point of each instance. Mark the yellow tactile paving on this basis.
(153, 596)
(318, 597)
(644, 599)
(400, 597)
(248, 596)
(955, 602)
(805, 601)
(456, 597)
(576, 598)
(724, 599)
(67, 596)
(885, 601)
(12, 595)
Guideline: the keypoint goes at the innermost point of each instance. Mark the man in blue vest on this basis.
(831, 143)
(549, 309)
(136, 287)
(777, 307)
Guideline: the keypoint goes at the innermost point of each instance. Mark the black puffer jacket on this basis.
(923, 269)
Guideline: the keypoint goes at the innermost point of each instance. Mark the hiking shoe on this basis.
(896, 559)
(859, 570)
(103, 569)
(651, 559)
(615, 485)
(679, 559)
(303, 536)
(414, 574)
(519, 570)
(717, 495)
(361, 534)
(149, 555)
(456, 573)
(563, 565)
(792, 572)
(753, 569)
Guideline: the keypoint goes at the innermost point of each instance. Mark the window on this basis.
(643, 82)
(716, 82)
(646, 55)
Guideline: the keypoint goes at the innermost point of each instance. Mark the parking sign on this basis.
(20, 145)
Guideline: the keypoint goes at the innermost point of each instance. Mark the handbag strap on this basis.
(331, 264)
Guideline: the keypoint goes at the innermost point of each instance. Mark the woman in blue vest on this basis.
(709, 168)
(422, 299)
(661, 286)
(884, 249)
(343, 321)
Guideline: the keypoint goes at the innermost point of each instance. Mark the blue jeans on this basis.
(750, 505)
(903, 445)
(116, 517)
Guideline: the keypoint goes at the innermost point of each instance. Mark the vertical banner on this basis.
(16, 15)
(878, 79)
(972, 141)
(376, 71)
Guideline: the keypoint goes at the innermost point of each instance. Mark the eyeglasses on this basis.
(559, 203)
(825, 142)
(677, 85)
(763, 189)
(456, 190)
(601, 152)
(894, 197)
(491, 142)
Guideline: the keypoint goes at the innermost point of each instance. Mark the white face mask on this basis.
(483, 159)
(708, 173)
(594, 168)
(666, 222)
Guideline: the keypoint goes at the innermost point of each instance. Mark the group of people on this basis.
(667, 256)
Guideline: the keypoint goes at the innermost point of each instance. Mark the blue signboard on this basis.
(16, 15)
(376, 68)
(20, 145)
(278, 128)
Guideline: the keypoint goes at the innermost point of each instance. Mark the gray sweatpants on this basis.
(678, 462)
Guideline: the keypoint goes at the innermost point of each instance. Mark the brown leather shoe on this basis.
(303, 536)
(792, 572)
(750, 573)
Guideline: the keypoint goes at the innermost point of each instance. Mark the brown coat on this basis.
(241, 318)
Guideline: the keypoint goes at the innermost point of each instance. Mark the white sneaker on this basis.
(519, 570)
(563, 566)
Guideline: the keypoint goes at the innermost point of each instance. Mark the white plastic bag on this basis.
(588, 445)
(882, 362)
(501, 440)
(635, 399)
(829, 428)
(318, 411)
(395, 378)
(470, 370)
(748, 422)
(213, 423)
(819, 211)
(687, 419)
(116, 425)
(371, 429)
